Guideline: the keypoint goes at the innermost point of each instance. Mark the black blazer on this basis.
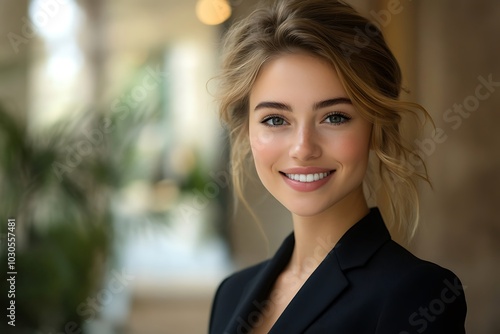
(366, 284)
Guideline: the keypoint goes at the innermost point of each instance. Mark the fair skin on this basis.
(310, 146)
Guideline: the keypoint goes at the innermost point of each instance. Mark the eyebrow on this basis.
(331, 102)
(316, 106)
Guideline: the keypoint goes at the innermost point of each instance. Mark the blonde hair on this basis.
(368, 70)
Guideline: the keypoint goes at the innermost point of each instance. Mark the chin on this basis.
(306, 214)
(306, 209)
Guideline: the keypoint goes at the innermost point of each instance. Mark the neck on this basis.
(316, 235)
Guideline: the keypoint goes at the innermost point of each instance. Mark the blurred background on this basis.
(114, 164)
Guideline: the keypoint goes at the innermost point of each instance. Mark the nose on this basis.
(305, 145)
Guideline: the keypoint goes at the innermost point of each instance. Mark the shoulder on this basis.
(229, 293)
(395, 261)
(423, 296)
(232, 291)
(233, 286)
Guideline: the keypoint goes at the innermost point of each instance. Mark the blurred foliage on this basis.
(60, 185)
(63, 224)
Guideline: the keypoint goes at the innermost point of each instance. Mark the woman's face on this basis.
(310, 145)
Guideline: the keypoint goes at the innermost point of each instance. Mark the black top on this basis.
(366, 284)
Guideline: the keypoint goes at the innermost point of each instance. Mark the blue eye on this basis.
(336, 118)
(274, 121)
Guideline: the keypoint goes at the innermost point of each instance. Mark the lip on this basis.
(306, 186)
(306, 170)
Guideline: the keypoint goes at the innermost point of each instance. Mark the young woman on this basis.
(310, 91)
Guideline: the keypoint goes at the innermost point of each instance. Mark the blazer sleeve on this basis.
(426, 300)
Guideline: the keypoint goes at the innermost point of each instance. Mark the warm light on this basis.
(213, 12)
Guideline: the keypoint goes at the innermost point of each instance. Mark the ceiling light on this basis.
(213, 12)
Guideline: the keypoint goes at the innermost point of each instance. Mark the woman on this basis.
(310, 91)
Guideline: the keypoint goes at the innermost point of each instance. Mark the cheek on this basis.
(260, 140)
(265, 147)
(353, 147)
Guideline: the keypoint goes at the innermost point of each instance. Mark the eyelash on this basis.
(346, 117)
(270, 117)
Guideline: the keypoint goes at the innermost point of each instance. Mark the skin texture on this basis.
(334, 137)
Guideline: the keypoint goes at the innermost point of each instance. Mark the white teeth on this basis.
(307, 177)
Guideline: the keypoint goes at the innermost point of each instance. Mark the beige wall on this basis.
(457, 43)
(15, 45)
(443, 47)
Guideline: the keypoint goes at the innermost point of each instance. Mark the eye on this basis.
(337, 118)
(274, 121)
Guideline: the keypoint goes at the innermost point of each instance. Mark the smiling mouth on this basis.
(308, 178)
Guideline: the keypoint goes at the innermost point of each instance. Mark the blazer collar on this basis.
(327, 282)
(362, 240)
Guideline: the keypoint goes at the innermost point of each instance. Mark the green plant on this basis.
(63, 226)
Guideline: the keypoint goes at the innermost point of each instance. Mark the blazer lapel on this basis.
(329, 280)
(322, 288)
(361, 241)
(258, 289)
(318, 292)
